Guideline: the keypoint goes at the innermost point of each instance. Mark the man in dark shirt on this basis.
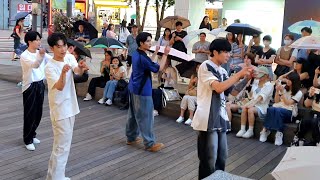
(177, 36)
(140, 117)
(82, 36)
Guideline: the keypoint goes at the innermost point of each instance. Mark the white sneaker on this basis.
(155, 113)
(180, 119)
(248, 134)
(241, 133)
(188, 122)
(101, 101)
(30, 147)
(36, 141)
(279, 139)
(88, 97)
(109, 102)
(264, 136)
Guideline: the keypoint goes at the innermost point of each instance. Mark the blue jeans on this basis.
(212, 152)
(109, 89)
(140, 119)
(276, 118)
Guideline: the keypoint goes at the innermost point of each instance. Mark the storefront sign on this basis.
(59, 4)
(24, 7)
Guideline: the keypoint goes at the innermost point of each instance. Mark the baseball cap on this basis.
(261, 71)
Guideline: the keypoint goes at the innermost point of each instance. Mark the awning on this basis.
(113, 4)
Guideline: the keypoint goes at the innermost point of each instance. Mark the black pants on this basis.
(81, 79)
(32, 106)
(310, 125)
(96, 82)
(212, 152)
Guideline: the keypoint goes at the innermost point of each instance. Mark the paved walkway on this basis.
(99, 150)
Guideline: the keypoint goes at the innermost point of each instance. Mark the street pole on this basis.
(34, 14)
(69, 8)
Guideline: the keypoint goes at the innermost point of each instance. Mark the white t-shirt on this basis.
(32, 71)
(266, 94)
(163, 42)
(123, 70)
(63, 104)
(294, 107)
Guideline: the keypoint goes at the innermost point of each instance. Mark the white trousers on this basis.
(62, 137)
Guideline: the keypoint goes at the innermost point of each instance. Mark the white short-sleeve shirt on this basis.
(63, 104)
(29, 73)
(294, 107)
(266, 94)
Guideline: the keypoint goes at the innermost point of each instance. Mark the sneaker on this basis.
(109, 102)
(137, 141)
(101, 101)
(279, 139)
(188, 122)
(155, 147)
(88, 97)
(36, 141)
(264, 136)
(248, 134)
(30, 147)
(155, 113)
(241, 133)
(180, 120)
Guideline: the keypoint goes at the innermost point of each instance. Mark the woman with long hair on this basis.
(110, 32)
(17, 35)
(117, 72)
(165, 39)
(287, 96)
(205, 23)
(123, 32)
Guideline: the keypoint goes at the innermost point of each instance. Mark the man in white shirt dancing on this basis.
(32, 63)
(63, 102)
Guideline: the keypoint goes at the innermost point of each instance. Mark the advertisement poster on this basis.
(59, 4)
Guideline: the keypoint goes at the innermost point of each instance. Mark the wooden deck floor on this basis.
(99, 152)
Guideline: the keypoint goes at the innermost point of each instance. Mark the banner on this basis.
(59, 4)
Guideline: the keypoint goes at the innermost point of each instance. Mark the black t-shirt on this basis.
(310, 66)
(179, 45)
(208, 26)
(256, 49)
(268, 54)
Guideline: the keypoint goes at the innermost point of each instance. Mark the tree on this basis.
(159, 16)
(138, 17)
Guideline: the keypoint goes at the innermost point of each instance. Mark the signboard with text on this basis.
(24, 7)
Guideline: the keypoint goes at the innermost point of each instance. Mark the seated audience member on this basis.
(169, 76)
(189, 100)
(235, 103)
(261, 94)
(117, 72)
(85, 76)
(82, 36)
(283, 56)
(286, 99)
(102, 80)
(267, 55)
(308, 70)
(310, 123)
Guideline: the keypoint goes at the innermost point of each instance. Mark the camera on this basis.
(112, 65)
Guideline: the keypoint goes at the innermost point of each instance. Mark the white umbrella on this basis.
(173, 54)
(308, 42)
(193, 37)
(314, 25)
(219, 32)
(299, 163)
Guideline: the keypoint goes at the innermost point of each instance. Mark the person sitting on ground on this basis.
(285, 107)
(169, 76)
(103, 79)
(82, 36)
(234, 104)
(261, 94)
(117, 72)
(189, 100)
(85, 76)
(283, 56)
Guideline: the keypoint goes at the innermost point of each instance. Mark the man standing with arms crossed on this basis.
(63, 102)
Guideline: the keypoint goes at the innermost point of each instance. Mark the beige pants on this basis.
(189, 102)
(62, 137)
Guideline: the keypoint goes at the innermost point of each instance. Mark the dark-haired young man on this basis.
(177, 38)
(140, 116)
(63, 102)
(32, 63)
(211, 119)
